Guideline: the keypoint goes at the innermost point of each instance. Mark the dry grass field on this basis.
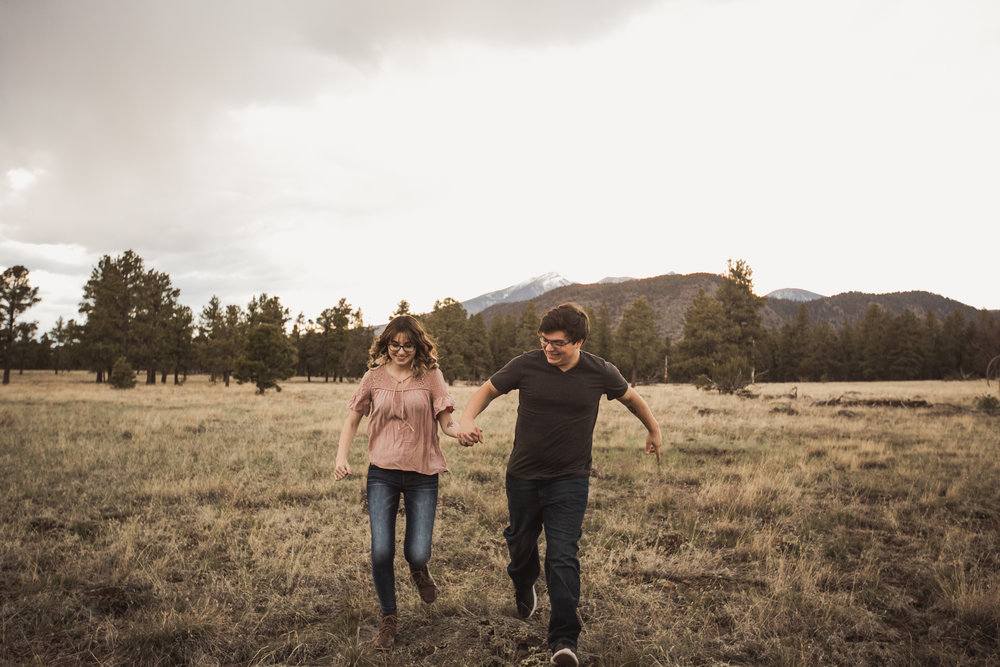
(202, 525)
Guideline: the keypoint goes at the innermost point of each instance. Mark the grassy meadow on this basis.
(202, 525)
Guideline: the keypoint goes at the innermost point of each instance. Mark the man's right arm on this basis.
(468, 432)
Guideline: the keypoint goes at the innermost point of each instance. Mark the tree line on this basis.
(132, 321)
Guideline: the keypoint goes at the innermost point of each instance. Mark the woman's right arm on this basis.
(468, 432)
(347, 433)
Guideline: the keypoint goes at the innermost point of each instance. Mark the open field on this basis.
(202, 525)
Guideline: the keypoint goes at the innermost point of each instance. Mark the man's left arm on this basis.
(637, 406)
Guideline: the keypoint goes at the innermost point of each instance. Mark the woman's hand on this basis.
(469, 434)
(341, 471)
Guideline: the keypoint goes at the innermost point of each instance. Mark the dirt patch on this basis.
(454, 640)
(875, 402)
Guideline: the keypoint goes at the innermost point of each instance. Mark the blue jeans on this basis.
(558, 505)
(420, 502)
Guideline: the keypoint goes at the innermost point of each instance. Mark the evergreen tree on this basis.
(354, 359)
(503, 341)
(222, 335)
(157, 306)
(601, 337)
(708, 340)
(875, 344)
(742, 308)
(112, 300)
(264, 309)
(983, 344)
(638, 347)
(448, 326)
(932, 347)
(849, 352)
(526, 338)
(59, 335)
(478, 358)
(402, 308)
(16, 296)
(122, 376)
(819, 364)
(793, 348)
(26, 348)
(334, 326)
(267, 358)
(905, 347)
(179, 350)
(954, 349)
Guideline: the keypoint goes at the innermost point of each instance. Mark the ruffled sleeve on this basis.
(441, 399)
(362, 399)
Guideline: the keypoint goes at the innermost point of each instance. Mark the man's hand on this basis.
(469, 434)
(653, 445)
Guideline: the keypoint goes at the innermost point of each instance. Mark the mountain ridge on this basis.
(670, 296)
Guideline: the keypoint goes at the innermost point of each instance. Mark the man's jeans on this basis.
(420, 494)
(559, 506)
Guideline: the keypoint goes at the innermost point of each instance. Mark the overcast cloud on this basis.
(382, 150)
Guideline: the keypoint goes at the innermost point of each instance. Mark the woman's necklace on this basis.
(400, 381)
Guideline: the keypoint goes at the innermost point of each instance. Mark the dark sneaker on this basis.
(388, 629)
(526, 601)
(564, 654)
(425, 584)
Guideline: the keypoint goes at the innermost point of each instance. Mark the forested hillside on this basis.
(705, 328)
(671, 295)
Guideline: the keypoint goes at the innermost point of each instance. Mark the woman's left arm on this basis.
(448, 424)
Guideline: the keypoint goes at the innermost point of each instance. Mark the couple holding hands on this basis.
(406, 399)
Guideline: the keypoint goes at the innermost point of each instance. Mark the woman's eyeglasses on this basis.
(406, 346)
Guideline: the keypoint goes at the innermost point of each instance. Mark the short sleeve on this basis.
(509, 376)
(361, 401)
(440, 397)
(616, 384)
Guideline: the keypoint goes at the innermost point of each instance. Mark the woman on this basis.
(405, 397)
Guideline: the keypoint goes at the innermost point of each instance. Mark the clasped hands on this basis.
(469, 434)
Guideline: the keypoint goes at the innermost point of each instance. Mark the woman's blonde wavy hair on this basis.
(424, 351)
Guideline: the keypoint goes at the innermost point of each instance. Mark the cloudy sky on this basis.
(381, 150)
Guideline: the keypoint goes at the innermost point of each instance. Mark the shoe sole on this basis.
(565, 657)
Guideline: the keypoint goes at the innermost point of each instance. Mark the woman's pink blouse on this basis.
(402, 424)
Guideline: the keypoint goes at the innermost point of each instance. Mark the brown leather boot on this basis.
(388, 629)
(425, 584)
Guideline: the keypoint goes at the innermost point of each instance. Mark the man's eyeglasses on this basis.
(406, 346)
(554, 343)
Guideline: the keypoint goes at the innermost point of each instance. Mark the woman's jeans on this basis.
(558, 505)
(420, 502)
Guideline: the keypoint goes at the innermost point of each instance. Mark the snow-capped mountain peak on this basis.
(522, 291)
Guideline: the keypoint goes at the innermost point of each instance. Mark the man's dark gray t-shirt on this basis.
(556, 412)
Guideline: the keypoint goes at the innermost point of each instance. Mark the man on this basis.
(548, 473)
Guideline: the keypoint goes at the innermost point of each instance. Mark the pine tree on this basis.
(526, 338)
(402, 308)
(742, 308)
(113, 299)
(793, 348)
(875, 340)
(478, 358)
(267, 358)
(448, 326)
(503, 341)
(638, 347)
(601, 338)
(707, 341)
(16, 296)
